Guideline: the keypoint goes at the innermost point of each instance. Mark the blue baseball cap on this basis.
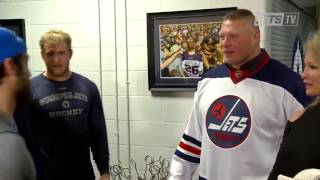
(10, 44)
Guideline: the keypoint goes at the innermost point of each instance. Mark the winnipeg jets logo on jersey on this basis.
(228, 121)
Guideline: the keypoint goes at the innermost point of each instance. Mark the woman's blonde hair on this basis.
(55, 36)
(313, 46)
(316, 102)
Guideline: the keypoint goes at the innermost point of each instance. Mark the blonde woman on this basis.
(301, 146)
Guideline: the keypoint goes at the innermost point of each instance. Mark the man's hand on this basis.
(104, 177)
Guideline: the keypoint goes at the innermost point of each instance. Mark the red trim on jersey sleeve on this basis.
(189, 148)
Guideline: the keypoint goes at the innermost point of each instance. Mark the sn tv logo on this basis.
(277, 19)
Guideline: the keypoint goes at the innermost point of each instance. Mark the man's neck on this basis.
(63, 77)
(253, 55)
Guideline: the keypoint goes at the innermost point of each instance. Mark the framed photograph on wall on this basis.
(182, 46)
(16, 25)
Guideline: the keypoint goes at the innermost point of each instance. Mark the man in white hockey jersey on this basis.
(240, 109)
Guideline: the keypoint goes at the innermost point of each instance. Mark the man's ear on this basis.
(71, 53)
(9, 66)
(257, 35)
(42, 54)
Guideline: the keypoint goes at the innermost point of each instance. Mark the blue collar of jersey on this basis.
(250, 68)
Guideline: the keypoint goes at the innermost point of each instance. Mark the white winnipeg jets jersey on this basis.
(235, 129)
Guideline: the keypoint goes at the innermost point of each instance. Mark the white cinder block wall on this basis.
(101, 47)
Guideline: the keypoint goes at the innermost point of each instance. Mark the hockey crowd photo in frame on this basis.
(182, 46)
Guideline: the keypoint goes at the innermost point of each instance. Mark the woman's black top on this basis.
(300, 148)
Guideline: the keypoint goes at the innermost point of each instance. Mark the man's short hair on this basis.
(55, 36)
(241, 14)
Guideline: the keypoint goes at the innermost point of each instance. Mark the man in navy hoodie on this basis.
(66, 117)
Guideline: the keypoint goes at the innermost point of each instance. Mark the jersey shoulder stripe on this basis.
(275, 73)
(191, 140)
(279, 74)
(189, 148)
(187, 157)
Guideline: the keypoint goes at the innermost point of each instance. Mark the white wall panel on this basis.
(83, 34)
(62, 11)
(179, 5)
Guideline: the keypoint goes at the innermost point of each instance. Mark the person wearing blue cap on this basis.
(15, 160)
(65, 117)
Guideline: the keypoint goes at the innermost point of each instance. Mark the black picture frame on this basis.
(16, 25)
(179, 24)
